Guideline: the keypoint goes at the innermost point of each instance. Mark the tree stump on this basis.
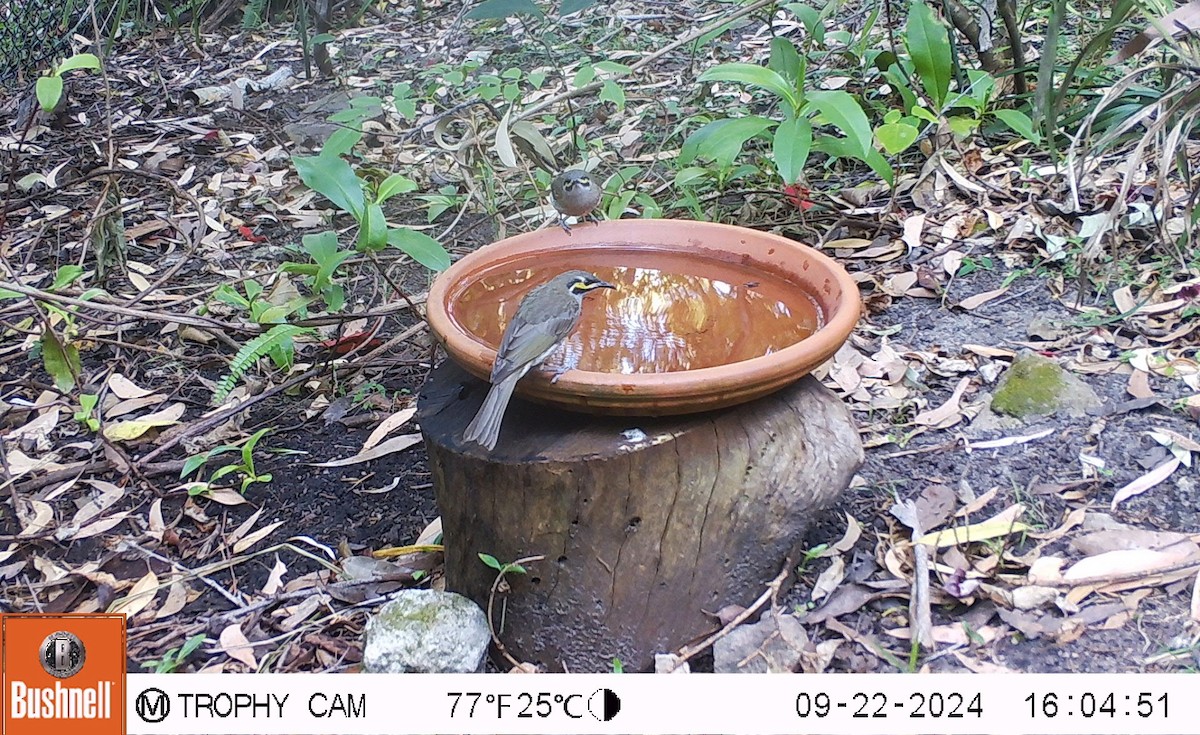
(646, 525)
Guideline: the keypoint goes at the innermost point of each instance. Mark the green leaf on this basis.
(79, 61)
(65, 276)
(842, 111)
(754, 76)
(333, 178)
(49, 92)
(60, 360)
(583, 76)
(341, 141)
(490, 560)
(393, 185)
(493, 9)
(962, 125)
(420, 247)
(612, 92)
(570, 7)
(843, 148)
(193, 463)
(786, 60)
(613, 67)
(793, 141)
(929, 45)
(321, 38)
(896, 137)
(1019, 123)
(692, 175)
(227, 294)
(720, 141)
(373, 230)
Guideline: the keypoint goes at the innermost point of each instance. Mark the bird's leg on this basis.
(562, 220)
(592, 217)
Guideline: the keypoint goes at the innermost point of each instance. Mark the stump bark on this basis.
(646, 525)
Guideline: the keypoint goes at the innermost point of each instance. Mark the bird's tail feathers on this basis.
(484, 429)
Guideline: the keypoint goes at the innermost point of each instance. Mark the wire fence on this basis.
(36, 33)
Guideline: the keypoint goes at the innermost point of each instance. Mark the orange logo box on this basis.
(62, 673)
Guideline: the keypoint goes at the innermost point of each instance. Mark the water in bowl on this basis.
(670, 312)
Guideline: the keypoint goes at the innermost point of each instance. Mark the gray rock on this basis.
(425, 631)
(774, 645)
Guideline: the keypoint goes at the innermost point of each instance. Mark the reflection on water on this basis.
(683, 313)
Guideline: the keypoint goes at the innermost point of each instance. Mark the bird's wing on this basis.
(529, 343)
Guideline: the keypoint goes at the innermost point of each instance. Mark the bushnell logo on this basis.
(62, 673)
(62, 654)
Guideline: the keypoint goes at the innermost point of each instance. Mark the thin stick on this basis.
(768, 594)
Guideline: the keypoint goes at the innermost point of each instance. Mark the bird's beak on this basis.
(606, 284)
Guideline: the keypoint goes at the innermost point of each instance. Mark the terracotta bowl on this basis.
(634, 242)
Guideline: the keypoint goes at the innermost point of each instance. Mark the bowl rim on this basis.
(812, 350)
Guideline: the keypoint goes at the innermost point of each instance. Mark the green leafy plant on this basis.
(175, 657)
(277, 342)
(86, 413)
(49, 87)
(245, 467)
(363, 196)
(501, 568)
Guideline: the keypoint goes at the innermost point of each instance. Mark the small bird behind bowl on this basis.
(574, 194)
(545, 317)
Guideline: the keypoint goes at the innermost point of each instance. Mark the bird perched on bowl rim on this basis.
(574, 194)
(544, 318)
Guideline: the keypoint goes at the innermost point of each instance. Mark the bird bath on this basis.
(640, 521)
(704, 316)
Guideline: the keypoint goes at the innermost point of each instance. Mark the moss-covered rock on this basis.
(1036, 386)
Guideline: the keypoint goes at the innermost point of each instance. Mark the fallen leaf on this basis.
(979, 299)
(1145, 482)
(233, 643)
(395, 444)
(124, 388)
(176, 600)
(388, 425)
(255, 537)
(948, 414)
(128, 430)
(139, 596)
(829, 579)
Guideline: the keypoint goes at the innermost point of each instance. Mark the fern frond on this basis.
(262, 345)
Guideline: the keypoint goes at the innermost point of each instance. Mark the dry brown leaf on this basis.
(243, 529)
(388, 425)
(155, 525)
(233, 643)
(949, 413)
(139, 596)
(395, 444)
(913, 226)
(35, 517)
(124, 388)
(845, 544)
(1196, 599)
(1139, 385)
(177, 598)
(979, 299)
(1145, 482)
(255, 537)
(275, 579)
(97, 528)
(1124, 562)
(129, 430)
(829, 579)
